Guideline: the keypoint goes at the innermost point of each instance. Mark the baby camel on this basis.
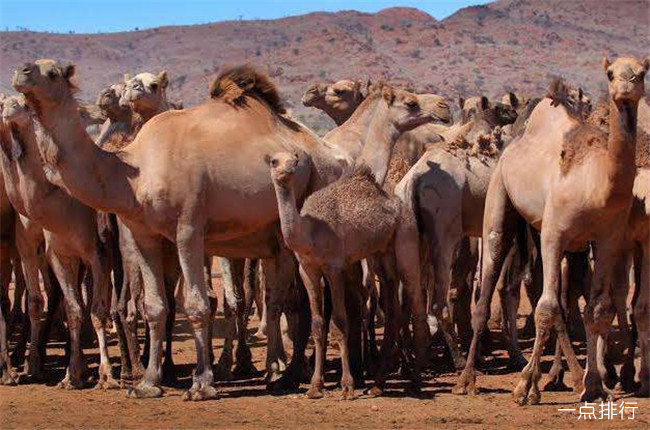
(349, 220)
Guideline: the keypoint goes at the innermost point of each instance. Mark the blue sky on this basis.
(91, 16)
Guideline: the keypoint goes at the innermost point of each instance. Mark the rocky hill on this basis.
(509, 44)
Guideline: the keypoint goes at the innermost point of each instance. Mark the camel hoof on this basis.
(107, 383)
(520, 393)
(71, 384)
(556, 383)
(246, 369)
(626, 378)
(222, 373)
(284, 384)
(8, 378)
(348, 393)
(144, 391)
(596, 392)
(644, 391)
(466, 384)
(375, 392)
(517, 363)
(200, 392)
(314, 393)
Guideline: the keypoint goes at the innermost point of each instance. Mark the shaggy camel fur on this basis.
(579, 200)
(67, 245)
(225, 211)
(349, 220)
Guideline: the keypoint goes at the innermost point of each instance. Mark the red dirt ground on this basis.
(245, 404)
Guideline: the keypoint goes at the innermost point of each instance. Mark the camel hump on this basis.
(578, 143)
(234, 83)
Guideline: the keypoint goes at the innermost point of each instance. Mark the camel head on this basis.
(626, 79)
(408, 110)
(472, 106)
(15, 111)
(503, 113)
(315, 95)
(109, 101)
(581, 102)
(145, 91)
(344, 95)
(283, 167)
(45, 82)
(16, 115)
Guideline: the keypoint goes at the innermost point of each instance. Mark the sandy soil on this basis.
(245, 404)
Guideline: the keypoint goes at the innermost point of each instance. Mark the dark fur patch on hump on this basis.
(558, 92)
(234, 83)
(578, 143)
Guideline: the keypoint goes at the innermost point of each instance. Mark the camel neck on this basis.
(291, 223)
(379, 140)
(350, 135)
(147, 112)
(621, 145)
(97, 178)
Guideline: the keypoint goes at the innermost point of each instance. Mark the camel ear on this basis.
(267, 159)
(68, 71)
(485, 103)
(606, 62)
(127, 77)
(581, 95)
(514, 101)
(162, 78)
(646, 63)
(461, 102)
(388, 94)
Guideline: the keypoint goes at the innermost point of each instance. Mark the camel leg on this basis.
(532, 279)
(370, 341)
(510, 298)
(66, 271)
(8, 375)
(279, 274)
(599, 314)
(148, 252)
(20, 288)
(35, 303)
(260, 303)
(229, 277)
(628, 370)
(341, 330)
(642, 318)
(191, 255)
(460, 290)
(311, 278)
(100, 267)
(405, 257)
(500, 226)
(243, 357)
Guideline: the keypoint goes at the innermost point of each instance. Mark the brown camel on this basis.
(209, 212)
(581, 190)
(349, 220)
(119, 117)
(338, 100)
(67, 244)
(447, 188)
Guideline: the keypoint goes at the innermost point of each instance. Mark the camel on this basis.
(156, 202)
(581, 190)
(349, 220)
(446, 188)
(338, 100)
(146, 94)
(118, 117)
(67, 244)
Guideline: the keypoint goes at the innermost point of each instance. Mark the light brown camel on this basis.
(447, 188)
(184, 184)
(338, 100)
(119, 117)
(349, 220)
(580, 183)
(67, 245)
(146, 94)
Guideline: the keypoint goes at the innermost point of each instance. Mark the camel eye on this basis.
(274, 162)
(610, 75)
(412, 104)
